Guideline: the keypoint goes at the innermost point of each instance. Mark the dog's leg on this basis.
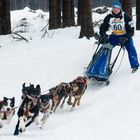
(21, 124)
(78, 103)
(52, 106)
(1, 123)
(29, 121)
(37, 120)
(73, 105)
(56, 107)
(69, 100)
(57, 104)
(79, 99)
(9, 117)
(16, 132)
(43, 120)
(62, 105)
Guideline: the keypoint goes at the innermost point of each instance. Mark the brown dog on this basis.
(79, 86)
(61, 91)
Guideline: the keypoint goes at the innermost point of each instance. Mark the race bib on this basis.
(118, 26)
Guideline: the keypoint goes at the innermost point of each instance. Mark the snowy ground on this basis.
(106, 112)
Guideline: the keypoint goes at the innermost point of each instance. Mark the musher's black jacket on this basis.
(127, 19)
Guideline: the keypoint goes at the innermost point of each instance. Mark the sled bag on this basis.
(98, 68)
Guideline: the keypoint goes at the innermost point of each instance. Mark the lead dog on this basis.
(29, 108)
(7, 110)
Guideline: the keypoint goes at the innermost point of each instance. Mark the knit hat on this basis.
(116, 4)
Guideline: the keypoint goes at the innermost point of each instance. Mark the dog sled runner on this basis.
(99, 68)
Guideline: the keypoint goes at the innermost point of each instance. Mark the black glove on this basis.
(123, 41)
(103, 39)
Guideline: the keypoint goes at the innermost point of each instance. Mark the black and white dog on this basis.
(29, 108)
(7, 110)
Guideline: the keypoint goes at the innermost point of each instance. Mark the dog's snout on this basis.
(8, 109)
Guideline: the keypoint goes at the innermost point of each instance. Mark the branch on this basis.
(19, 37)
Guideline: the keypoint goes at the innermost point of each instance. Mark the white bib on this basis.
(118, 25)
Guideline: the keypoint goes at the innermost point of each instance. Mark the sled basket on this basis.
(99, 66)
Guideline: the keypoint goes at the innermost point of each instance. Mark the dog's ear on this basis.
(38, 86)
(5, 98)
(38, 89)
(31, 86)
(13, 99)
(23, 86)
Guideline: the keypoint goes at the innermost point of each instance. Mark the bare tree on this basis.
(138, 14)
(127, 6)
(86, 23)
(55, 14)
(5, 22)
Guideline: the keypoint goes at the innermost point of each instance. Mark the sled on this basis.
(99, 68)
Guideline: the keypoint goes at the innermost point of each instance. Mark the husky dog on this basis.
(44, 110)
(79, 86)
(29, 108)
(7, 110)
(58, 94)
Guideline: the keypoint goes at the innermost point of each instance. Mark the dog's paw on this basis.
(37, 122)
(41, 124)
(78, 104)
(1, 125)
(51, 112)
(21, 130)
(69, 103)
(22, 124)
(61, 106)
(41, 127)
(72, 109)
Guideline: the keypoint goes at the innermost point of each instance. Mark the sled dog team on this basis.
(34, 103)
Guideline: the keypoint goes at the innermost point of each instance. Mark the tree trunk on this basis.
(55, 14)
(138, 14)
(58, 13)
(127, 6)
(33, 4)
(5, 22)
(72, 13)
(66, 13)
(80, 12)
(86, 23)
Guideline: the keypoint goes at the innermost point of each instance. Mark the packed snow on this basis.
(106, 112)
